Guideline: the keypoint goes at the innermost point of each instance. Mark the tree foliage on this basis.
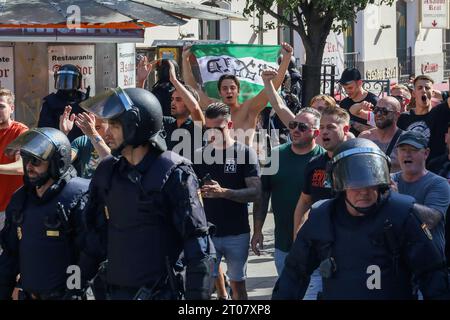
(312, 20)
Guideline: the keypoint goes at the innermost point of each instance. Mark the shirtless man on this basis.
(386, 132)
(244, 116)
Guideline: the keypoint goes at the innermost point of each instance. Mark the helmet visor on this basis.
(360, 170)
(109, 104)
(33, 143)
(67, 80)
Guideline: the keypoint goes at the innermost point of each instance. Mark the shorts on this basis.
(235, 251)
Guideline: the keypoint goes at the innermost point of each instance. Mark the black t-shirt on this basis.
(432, 125)
(230, 217)
(185, 135)
(317, 184)
(348, 102)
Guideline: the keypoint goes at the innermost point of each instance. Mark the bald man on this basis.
(386, 132)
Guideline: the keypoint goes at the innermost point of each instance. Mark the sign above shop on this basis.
(126, 65)
(7, 68)
(435, 14)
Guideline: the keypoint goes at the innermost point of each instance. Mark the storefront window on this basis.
(209, 29)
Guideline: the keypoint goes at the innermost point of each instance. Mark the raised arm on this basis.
(188, 77)
(283, 112)
(190, 102)
(259, 102)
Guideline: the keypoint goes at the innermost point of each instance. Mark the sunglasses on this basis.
(35, 162)
(303, 127)
(383, 111)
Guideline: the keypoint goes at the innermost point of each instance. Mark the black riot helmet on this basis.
(46, 144)
(138, 111)
(359, 163)
(68, 77)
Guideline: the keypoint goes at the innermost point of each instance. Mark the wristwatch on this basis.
(97, 138)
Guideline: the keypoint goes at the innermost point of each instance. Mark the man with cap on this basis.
(67, 83)
(43, 236)
(143, 208)
(352, 84)
(431, 192)
(368, 241)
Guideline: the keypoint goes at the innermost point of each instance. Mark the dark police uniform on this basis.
(378, 254)
(354, 246)
(67, 81)
(38, 242)
(53, 107)
(151, 213)
(142, 217)
(44, 235)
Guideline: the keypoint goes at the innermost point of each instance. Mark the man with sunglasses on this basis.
(386, 133)
(285, 186)
(403, 95)
(43, 234)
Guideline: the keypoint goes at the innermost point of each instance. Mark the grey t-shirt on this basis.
(431, 191)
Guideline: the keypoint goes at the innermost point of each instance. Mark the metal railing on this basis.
(351, 59)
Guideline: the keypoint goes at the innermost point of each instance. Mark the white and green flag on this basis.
(245, 61)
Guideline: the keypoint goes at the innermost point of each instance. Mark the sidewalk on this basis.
(261, 271)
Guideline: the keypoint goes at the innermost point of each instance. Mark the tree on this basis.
(312, 20)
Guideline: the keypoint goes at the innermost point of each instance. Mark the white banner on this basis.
(333, 53)
(7, 68)
(82, 56)
(435, 14)
(126, 65)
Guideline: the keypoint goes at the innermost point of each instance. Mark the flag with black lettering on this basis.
(245, 61)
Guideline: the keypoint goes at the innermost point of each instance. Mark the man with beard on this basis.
(386, 134)
(431, 122)
(43, 234)
(285, 186)
(185, 115)
(334, 127)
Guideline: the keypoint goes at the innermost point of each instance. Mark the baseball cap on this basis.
(349, 75)
(413, 138)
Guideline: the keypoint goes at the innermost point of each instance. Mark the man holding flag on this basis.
(233, 73)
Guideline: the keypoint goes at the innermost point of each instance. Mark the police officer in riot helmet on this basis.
(67, 82)
(145, 199)
(368, 242)
(43, 233)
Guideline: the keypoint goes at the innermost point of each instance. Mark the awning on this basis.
(111, 14)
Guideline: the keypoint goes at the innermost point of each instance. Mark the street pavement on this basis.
(261, 271)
